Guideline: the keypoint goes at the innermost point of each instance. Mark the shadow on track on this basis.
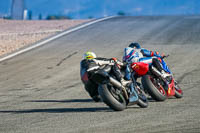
(150, 99)
(60, 110)
(63, 101)
(57, 110)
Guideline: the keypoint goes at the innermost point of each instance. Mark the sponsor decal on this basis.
(169, 90)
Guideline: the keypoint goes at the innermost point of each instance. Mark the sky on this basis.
(83, 9)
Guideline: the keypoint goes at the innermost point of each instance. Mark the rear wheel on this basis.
(178, 91)
(112, 97)
(154, 88)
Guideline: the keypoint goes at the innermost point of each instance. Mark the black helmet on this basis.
(134, 44)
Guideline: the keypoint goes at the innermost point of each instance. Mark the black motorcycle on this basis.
(101, 81)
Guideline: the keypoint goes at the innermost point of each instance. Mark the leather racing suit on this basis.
(88, 65)
(143, 55)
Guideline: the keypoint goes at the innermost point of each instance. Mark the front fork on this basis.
(133, 93)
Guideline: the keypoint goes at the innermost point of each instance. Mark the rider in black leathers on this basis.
(91, 62)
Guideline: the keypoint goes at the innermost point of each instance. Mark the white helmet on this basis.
(128, 54)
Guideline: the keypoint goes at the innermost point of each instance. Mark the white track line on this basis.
(53, 38)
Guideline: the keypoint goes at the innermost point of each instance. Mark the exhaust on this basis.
(116, 83)
(119, 85)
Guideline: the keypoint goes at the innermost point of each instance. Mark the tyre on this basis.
(178, 91)
(110, 97)
(156, 91)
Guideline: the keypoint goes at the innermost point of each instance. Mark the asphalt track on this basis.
(41, 91)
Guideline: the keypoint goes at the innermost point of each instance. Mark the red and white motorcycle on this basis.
(159, 88)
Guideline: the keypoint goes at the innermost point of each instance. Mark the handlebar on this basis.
(165, 56)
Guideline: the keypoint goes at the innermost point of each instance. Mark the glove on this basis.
(163, 56)
(118, 61)
(114, 59)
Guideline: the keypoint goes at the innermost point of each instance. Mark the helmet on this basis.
(89, 55)
(134, 45)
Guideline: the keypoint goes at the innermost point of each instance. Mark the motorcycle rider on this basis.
(134, 53)
(90, 62)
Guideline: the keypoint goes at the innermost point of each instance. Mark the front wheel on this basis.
(178, 91)
(154, 88)
(112, 97)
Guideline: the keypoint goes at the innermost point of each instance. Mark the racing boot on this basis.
(125, 82)
(166, 75)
